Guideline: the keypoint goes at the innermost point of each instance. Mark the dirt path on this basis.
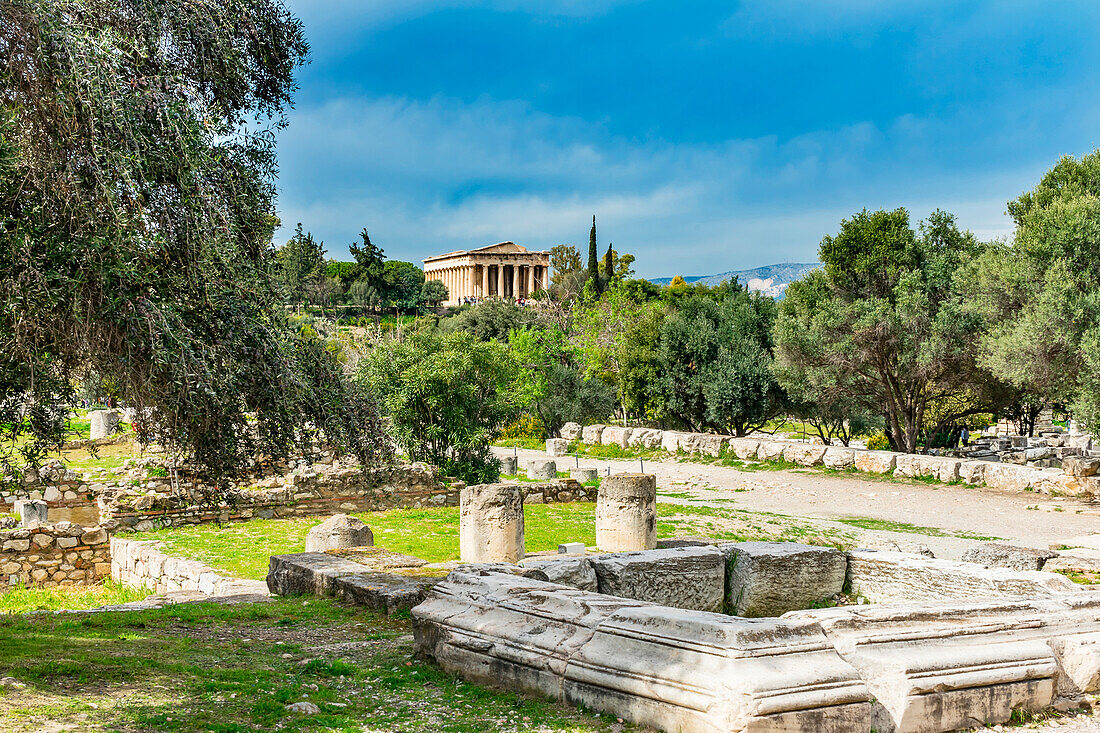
(946, 519)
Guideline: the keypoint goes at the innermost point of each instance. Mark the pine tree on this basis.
(370, 259)
(593, 259)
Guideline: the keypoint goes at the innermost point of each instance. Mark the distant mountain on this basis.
(771, 280)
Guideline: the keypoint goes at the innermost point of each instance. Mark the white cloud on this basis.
(441, 174)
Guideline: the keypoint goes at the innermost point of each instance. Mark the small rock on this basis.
(305, 708)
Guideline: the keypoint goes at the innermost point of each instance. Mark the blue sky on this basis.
(705, 136)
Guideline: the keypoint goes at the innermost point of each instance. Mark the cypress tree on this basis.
(608, 266)
(593, 259)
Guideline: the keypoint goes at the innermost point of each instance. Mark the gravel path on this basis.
(1023, 519)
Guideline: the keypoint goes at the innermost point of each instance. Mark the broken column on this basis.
(32, 512)
(491, 523)
(584, 475)
(104, 423)
(508, 465)
(540, 468)
(626, 513)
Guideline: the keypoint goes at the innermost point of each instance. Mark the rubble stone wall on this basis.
(53, 555)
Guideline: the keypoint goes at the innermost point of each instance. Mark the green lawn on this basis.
(206, 667)
(886, 525)
(242, 549)
(22, 599)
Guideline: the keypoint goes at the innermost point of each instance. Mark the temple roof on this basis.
(499, 248)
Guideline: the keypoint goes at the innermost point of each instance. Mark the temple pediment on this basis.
(501, 248)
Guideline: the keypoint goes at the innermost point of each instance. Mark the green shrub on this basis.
(878, 441)
(524, 427)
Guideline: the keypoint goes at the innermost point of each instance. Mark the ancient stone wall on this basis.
(55, 554)
(1078, 476)
(142, 564)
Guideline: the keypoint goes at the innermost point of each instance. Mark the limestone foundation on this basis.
(626, 513)
(491, 523)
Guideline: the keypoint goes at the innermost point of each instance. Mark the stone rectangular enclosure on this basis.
(639, 635)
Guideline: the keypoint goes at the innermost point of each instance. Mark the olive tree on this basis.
(883, 327)
(137, 167)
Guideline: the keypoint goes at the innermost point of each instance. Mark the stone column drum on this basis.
(491, 523)
(626, 513)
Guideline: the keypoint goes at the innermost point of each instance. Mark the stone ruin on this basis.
(651, 637)
(701, 637)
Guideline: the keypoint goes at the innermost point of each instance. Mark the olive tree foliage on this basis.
(1041, 292)
(716, 363)
(446, 397)
(551, 381)
(137, 163)
(492, 320)
(617, 338)
(883, 327)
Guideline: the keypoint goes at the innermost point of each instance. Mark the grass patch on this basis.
(615, 452)
(886, 525)
(206, 667)
(22, 599)
(528, 443)
(1081, 577)
(243, 549)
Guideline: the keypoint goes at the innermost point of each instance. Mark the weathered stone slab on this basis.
(771, 578)
(670, 440)
(322, 574)
(876, 461)
(668, 668)
(557, 447)
(804, 454)
(709, 445)
(770, 450)
(973, 472)
(744, 448)
(926, 668)
(681, 577)
(103, 423)
(576, 572)
(32, 513)
(616, 435)
(647, 438)
(571, 431)
(337, 532)
(509, 465)
(385, 592)
(1009, 477)
(945, 668)
(995, 555)
(1081, 465)
(839, 457)
(883, 576)
(541, 469)
(584, 475)
(590, 434)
